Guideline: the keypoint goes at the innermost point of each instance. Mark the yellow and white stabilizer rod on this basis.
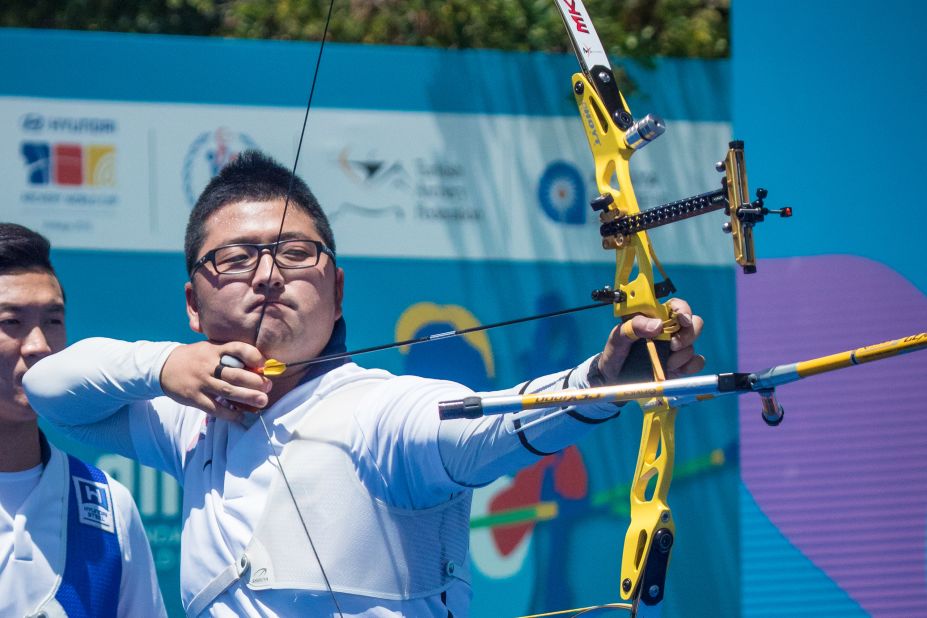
(683, 391)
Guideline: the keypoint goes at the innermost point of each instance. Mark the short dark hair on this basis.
(252, 176)
(23, 249)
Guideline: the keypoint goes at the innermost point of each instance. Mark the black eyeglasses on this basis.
(244, 257)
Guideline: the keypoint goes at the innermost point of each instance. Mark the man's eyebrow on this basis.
(50, 308)
(295, 236)
(252, 240)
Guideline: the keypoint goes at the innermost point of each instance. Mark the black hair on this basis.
(23, 249)
(252, 176)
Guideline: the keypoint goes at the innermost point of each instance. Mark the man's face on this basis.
(302, 304)
(31, 328)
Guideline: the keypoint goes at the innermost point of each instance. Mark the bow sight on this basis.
(617, 227)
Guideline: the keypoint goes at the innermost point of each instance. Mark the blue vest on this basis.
(93, 564)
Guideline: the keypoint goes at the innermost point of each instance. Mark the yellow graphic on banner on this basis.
(100, 161)
(460, 318)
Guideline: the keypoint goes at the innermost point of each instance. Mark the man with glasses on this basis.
(348, 497)
(71, 540)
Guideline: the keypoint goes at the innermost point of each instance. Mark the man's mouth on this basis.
(258, 306)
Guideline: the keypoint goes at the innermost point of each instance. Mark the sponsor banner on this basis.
(124, 176)
(62, 171)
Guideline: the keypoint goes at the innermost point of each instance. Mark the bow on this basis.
(614, 136)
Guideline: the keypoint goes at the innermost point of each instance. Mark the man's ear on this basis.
(193, 310)
(339, 292)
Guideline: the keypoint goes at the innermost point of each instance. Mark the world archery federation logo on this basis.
(207, 155)
(562, 193)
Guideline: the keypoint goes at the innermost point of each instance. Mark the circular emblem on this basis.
(562, 193)
(207, 155)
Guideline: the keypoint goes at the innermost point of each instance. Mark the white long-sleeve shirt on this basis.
(33, 504)
(107, 393)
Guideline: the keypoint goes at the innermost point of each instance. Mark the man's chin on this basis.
(273, 345)
(18, 410)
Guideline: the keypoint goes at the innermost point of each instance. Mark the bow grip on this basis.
(638, 367)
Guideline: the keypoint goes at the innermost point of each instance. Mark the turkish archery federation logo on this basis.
(562, 193)
(94, 504)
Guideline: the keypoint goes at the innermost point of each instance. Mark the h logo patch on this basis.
(94, 504)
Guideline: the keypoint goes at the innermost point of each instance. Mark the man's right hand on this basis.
(194, 375)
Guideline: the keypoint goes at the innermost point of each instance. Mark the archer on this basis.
(360, 503)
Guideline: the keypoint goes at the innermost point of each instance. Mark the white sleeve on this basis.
(107, 393)
(139, 594)
(475, 452)
(421, 460)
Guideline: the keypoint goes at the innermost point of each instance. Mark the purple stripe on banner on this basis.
(844, 477)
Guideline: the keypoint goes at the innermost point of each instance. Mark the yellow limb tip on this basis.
(273, 368)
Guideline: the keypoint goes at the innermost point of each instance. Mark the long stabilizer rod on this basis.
(683, 391)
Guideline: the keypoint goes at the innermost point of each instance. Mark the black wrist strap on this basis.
(521, 434)
(571, 413)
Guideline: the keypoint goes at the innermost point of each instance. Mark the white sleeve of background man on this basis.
(138, 587)
(107, 393)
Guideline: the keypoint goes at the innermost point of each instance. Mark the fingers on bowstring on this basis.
(217, 407)
(246, 353)
(244, 377)
(249, 394)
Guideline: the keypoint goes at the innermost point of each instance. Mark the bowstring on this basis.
(273, 264)
(299, 148)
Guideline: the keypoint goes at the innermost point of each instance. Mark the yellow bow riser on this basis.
(650, 515)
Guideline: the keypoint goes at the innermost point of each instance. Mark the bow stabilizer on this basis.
(686, 391)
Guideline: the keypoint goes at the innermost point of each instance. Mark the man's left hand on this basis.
(682, 360)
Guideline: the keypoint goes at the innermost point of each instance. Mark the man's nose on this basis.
(35, 343)
(267, 273)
